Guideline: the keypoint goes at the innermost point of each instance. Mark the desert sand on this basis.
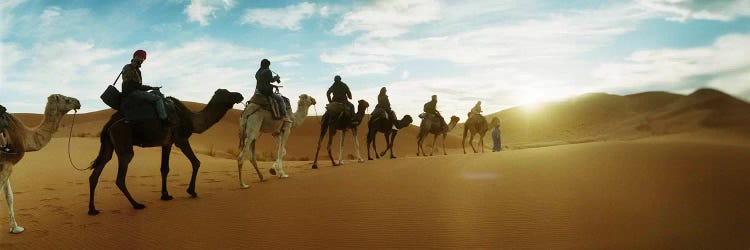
(654, 170)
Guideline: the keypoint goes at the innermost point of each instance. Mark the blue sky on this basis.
(504, 53)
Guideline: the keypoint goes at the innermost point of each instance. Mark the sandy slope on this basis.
(678, 191)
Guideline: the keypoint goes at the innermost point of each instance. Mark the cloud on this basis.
(68, 67)
(388, 18)
(188, 70)
(6, 14)
(202, 10)
(288, 17)
(724, 65)
(497, 44)
(682, 10)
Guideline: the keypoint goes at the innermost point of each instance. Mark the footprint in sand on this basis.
(49, 188)
(116, 211)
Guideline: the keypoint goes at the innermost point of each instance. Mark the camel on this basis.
(434, 127)
(119, 136)
(384, 126)
(255, 121)
(331, 122)
(477, 124)
(26, 139)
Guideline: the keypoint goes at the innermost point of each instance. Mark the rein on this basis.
(70, 135)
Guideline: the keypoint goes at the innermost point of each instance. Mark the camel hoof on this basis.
(284, 176)
(369, 159)
(93, 212)
(393, 157)
(315, 166)
(16, 230)
(244, 186)
(166, 197)
(341, 162)
(139, 206)
(272, 170)
(193, 194)
(360, 161)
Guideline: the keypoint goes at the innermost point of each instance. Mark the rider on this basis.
(341, 94)
(385, 104)
(132, 84)
(264, 77)
(431, 108)
(477, 109)
(4, 146)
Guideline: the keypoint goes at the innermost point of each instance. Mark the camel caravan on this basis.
(145, 118)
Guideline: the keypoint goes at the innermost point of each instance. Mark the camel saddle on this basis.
(378, 113)
(137, 109)
(271, 104)
(337, 107)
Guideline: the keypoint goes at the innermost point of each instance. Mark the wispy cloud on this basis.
(723, 65)
(6, 13)
(202, 11)
(288, 17)
(498, 44)
(682, 10)
(388, 18)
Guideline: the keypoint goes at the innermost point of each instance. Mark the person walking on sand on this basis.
(496, 146)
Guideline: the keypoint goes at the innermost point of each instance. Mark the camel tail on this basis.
(104, 142)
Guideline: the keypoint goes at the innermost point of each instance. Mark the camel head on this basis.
(407, 119)
(362, 105)
(63, 103)
(454, 119)
(306, 100)
(223, 96)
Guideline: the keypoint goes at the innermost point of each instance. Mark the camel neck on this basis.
(299, 116)
(210, 115)
(38, 137)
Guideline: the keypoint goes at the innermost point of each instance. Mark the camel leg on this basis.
(463, 139)
(341, 147)
(471, 142)
(444, 152)
(434, 139)
(279, 164)
(188, 151)
(387, 143)
(254, 161)
(323, 129)
(5, 175)
(124, 159)
(331, 133)
(241, 160)
(420, 138)
(371, 140)
(481, 142)
(165, 151)
(393, 141)
(356, 146)
(106, 155)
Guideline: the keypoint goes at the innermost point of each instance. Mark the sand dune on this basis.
(599, 116)
(683, 184)
(666, 192)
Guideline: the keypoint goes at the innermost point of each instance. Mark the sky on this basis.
(503, 53)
